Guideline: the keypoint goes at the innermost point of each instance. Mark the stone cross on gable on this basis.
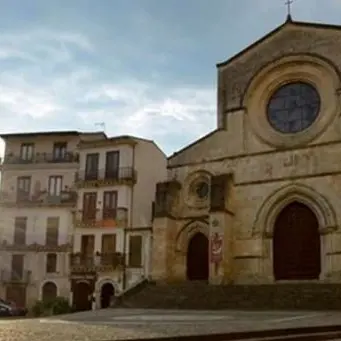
(289, 3)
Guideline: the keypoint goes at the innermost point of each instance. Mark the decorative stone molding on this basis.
(219, 192)
(166, 198)
(333, 276)
(299, 68)
(187, 232)
(191, 199)
(272, 206)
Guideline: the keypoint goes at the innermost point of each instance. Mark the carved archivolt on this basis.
(187, 232)
(191, 197)
(272, 206)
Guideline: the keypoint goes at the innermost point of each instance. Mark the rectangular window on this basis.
(23, 188)
(55, 185)
(135, 251)
(112, 164)
(109, 204)
(52, 231)
(20, 227)
(27, 151)
(91, 167)
(89, 206)
(17, 267)
(59, 151)
(51, 263)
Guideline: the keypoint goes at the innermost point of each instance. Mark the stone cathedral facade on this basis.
(258, 200)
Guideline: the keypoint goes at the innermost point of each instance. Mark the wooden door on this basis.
(296, 244)
(87, 250)
(197, 258)
(82, 296)
(91, 167)
(89, 206)
(109, 205)
(23, 188)
(88, 244)
(112, 164)
(109, 243)
(108, 249)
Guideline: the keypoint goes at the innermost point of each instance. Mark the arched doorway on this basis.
(296, 244)
(107, 292)
(49, 291)
(197, 258)
(82, 296)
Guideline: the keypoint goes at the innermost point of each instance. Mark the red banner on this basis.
(216, 248)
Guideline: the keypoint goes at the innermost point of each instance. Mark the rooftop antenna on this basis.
(101, 125)
(289, 3)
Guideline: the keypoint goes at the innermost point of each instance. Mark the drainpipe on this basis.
(126, 259)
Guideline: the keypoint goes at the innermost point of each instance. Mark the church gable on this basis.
(292, 38)
(202, 150)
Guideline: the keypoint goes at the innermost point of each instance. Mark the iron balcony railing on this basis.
(113, 217)
(39, 198)
(111, 259)
(12, 276)
(68, 157)
(118, 174)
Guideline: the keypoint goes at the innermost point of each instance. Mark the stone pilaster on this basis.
(220, 232)
(165, 208)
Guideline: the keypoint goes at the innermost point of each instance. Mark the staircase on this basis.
(192, 295)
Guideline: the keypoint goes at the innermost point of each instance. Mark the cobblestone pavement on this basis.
(123, 324)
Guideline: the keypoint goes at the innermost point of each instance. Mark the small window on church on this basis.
(202, 189)
(198, 190)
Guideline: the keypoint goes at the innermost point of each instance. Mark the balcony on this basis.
(39, 159)
(103, 177)
(102, 218)
(99, 262)
(40, 199)
(11, 277)
(35, 247)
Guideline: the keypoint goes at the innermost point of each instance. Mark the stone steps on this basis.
(304, 296)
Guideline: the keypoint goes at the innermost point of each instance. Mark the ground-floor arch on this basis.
(107, 293)
(198, 258)
(49, 291)
(82, 296)
(296, 244)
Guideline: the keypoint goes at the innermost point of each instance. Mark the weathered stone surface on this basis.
(267, 170)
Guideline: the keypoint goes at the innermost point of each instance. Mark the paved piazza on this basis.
(118, 324)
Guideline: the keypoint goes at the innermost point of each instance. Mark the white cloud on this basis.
(149, 112)
(42, 45)
(36, 94)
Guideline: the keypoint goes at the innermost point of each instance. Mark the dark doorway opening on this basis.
(82, 297)
(49, 292)
(107, 293)
(296, 244)
(197, 258)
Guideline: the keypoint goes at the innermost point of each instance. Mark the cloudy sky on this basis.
(144, 67)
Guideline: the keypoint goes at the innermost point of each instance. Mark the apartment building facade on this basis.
(113, 217)
(36, 203)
